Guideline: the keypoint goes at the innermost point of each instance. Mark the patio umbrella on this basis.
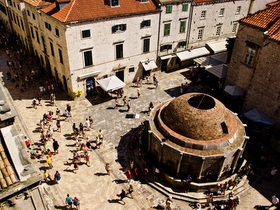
(234, 90)
(111, 83)
(257, 116)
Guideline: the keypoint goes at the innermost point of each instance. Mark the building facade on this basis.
(79, 48)
(255, 61)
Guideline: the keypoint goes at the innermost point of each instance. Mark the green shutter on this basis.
(169, 9)
(185, 7)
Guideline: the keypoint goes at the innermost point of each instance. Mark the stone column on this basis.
(179, 164)
(236, 158)
(201, 168)
(150, 136)
(221, 168)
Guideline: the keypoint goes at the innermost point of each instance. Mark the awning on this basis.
(203, 61)
(234, 90)
(258, 116)
(219, 71)
(218, 46)
(186, 55)
(110, 83)
(149, 65)
(90, 74)
(166, 57)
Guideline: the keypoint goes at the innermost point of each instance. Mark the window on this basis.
(51, 46)
(183, 26)
(114, 3)
(234, 27)
(85, 33)
(119, 51)
(56, 32)
(165, 47)
(146, 45)
(182, 44)
(131, 69)
(118, 28)
(249, 56)
(203, 14)
(218, 30)
(144, 1)
(21, 23)
(145, 23)
(37, 36)
(33, 16)
(238, 10)
(168, 8)
(28, 13)
(185, 7)
(222, 11)
(200, 33)
(48, 26)
(60, 56)
(32, 32)
(166, 29)
(88, 58)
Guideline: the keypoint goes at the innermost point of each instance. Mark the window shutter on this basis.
(114, 29)
(124, 27)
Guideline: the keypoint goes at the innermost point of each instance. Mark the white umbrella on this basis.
(111, 83)
(234, 90)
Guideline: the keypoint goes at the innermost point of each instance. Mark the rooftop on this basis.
(266, 20)
(81, 10)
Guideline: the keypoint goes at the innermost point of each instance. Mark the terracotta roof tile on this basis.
(50, 8)
(79, 10)
(274, 31)
(7, 175)
(37, 3)
(266, 20)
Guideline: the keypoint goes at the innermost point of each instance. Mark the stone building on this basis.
(255, 61)
(195, 134)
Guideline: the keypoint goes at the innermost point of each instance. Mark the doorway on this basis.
(120, 75)
(90, 85)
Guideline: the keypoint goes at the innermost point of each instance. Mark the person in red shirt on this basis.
(27, 142)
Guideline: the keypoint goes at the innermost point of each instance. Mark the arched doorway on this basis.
(90, 85)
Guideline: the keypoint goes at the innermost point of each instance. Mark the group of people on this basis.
(72, 201)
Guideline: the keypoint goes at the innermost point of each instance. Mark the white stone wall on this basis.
(102, 43)
(213, 18)
(173, 18)
(259, 5)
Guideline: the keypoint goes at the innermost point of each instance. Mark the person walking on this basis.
(274, 201)
(55, 146)
(49, 162)
(87, 124)
(27, 142)
(68, 108)
(130, 190)
(69, 202)
(138, 92)
(90, 121)
(57, 177)
(128, 105)
(100, 136)
(124, 100)
(122, 196)
(58, 126)
(77, 203)
(108, 168)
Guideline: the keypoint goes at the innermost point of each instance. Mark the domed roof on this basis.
(198, 116)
